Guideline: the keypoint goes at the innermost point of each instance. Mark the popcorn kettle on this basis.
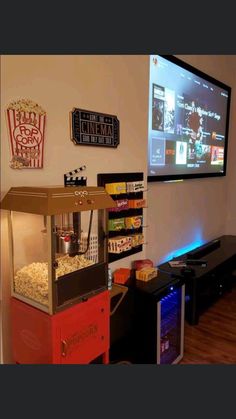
(68, 234)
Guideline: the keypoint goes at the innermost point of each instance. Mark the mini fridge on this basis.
(159, 321)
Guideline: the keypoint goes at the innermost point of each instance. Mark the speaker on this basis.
(203, 250)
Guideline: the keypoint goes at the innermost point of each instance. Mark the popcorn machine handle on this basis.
(77, 227)
(120, 290)
(63, 348)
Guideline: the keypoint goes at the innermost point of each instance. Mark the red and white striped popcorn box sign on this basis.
(26, 131)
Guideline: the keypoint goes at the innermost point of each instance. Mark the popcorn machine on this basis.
(59, 273)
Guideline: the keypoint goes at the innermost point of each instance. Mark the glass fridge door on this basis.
(170, 327)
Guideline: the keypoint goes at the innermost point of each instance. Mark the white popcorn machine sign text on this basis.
(26, 124)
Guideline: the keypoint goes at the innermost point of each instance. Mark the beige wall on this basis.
(178, 214)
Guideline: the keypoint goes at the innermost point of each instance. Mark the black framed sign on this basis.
(94, 128)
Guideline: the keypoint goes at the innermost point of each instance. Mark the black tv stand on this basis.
(204, 250)
(206, 284)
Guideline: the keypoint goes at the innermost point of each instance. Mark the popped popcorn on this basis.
(31, 281)
(26, 105)
(18, 162)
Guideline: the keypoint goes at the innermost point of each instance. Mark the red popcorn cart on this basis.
(26, 125)
(59, 293)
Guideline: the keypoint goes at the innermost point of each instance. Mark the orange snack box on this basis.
(121, 275)
(137, 203)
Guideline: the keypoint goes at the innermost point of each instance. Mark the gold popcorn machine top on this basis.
(58, 244)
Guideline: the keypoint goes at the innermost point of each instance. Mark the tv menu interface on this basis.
(187, 121)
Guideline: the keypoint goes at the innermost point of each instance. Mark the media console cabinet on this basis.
(205, 284)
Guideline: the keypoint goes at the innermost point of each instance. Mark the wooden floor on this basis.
(213, 340)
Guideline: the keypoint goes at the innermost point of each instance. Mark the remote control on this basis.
(196, 262)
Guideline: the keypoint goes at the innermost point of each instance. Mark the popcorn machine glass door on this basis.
(80, 258)
(58, 260)
(29, 254)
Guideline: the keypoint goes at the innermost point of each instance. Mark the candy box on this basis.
(115, 188)
(122, 275)
(133, 222)
(121, 204)
(119, 244)
(137, 203)
(137, 186)
(146, 274)
(142, 263)
(116, 224)
(137, 239)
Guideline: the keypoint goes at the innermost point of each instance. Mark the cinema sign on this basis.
(94, 128)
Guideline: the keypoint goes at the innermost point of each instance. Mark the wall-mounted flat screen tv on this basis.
(188, 121)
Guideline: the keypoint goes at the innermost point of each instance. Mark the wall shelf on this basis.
(102, 180)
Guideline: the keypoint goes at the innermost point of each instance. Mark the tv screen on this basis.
(187, 123)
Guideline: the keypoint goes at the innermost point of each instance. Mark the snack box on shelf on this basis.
(121, 204)
(133, 222)
(137, 203)
(119, 244)
(116, 224)
(115, 188)
(137, 239)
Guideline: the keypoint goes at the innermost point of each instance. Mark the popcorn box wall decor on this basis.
(26, 125)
